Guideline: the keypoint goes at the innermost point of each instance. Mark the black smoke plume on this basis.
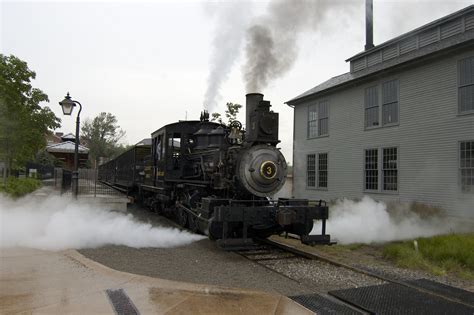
(272, 40)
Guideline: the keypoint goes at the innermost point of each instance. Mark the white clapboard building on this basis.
(399, 126)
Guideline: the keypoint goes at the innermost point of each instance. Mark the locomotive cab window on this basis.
(159, 148)
(174, 146)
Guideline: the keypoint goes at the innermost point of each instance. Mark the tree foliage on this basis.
(18, 187)
(43, 158)
(102, 135)
(23, 122)
(230, 113)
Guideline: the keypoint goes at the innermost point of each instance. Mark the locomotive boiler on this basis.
(219, 180)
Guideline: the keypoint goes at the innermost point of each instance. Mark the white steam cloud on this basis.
(369, 221)
(226, 47)
(56, 223)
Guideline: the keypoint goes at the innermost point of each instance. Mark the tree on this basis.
(43, 158)
(230, 113)
(102, 135)
(23, 122)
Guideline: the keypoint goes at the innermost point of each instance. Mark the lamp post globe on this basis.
(68, 105)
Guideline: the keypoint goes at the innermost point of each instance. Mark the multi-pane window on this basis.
(318, 119)
(466, 164)
(323, 118)
(371, 169)
(317, 170)
(323, 170)
(390, 102)
(312, 121)
(383, 171)
(311, 170)
(390, 169)
(466, 85)
(371, 107)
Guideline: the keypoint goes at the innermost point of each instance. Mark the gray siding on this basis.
(427, 138)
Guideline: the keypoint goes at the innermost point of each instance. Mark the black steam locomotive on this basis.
(218, 179)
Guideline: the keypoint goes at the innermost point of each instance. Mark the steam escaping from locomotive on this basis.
(369, 221)
(56, 224)
(272, 40)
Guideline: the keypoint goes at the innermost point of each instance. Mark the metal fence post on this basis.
(95, 183)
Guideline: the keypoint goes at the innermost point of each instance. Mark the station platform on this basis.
(43, 282)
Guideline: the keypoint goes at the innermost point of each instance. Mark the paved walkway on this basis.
(42, 282)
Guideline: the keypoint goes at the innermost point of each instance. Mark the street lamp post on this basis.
(68, 105)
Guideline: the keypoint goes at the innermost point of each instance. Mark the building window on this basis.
(311, 170)
(312, 121)
(318, 119)
(466, 163)
(390, 169)
(466, 85)
(371, 169)
(390, 102)
(384, 171)
(323, 170)
(371, 107)
(317, 170)
(323, 118)
(389, 112)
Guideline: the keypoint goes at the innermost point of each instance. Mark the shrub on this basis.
(18, 187)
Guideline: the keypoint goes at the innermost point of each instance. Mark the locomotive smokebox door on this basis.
(262, 170)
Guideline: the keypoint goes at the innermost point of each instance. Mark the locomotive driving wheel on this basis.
(182, 217)
(157, 207)
(193, 223)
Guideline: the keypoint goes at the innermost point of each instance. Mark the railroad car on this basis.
(218, 179)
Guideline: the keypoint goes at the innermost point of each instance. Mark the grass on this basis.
(439, 255)
(18, 187)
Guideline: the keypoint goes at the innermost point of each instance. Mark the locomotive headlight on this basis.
(268, 170)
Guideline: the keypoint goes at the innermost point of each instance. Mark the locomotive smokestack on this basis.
(369, 24)
(252, 101)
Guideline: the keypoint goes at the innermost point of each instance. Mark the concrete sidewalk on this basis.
(43, 282)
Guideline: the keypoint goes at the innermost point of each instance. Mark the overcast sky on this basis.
(149, 62)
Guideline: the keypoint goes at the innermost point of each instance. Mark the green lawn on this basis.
(453, 253)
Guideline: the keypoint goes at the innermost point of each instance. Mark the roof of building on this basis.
(146, 141)
(68, 136)
(429, 26)
(66, 147)
(52, 138)
(449, 32)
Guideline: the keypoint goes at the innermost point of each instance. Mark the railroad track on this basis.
(267, 252)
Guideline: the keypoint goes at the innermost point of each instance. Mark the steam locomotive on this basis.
(217, 179)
